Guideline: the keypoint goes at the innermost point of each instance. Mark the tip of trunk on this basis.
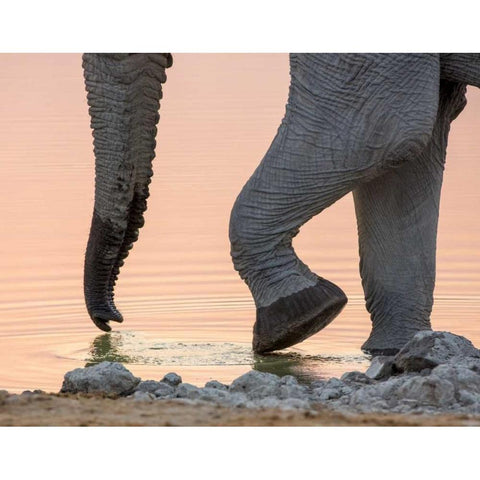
(102, 316)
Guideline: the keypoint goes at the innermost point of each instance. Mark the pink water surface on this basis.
(218, 117)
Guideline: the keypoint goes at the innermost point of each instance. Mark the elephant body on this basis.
(373, 124)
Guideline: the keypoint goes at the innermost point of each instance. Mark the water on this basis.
(185, 308)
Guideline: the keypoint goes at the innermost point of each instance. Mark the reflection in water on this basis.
(306, 368)
(105, 348)
(134, 348)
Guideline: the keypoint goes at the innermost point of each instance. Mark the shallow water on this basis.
(185, 308)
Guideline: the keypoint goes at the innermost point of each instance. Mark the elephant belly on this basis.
(367, 109)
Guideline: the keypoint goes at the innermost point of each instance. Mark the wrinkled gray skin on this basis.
(124, 91)
(372, 124)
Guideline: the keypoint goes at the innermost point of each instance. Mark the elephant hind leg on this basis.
(397, 217)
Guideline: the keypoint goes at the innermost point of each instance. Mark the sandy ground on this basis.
(83, 410)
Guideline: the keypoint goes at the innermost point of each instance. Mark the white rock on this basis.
(380, 368)
(186, 390)
(236, 399)
(105, 377)
(164, 390)
(172, 379)
(140, 396)
(292, 391)
(256, 384)
(149, 386)
(213, 394)
(429, 390)
(217, 385)
(429, 349)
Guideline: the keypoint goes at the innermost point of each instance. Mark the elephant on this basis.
(372, 124)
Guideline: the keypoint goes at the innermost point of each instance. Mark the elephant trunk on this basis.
(123, 92)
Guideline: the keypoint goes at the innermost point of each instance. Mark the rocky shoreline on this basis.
(434, 379)
(435, 373)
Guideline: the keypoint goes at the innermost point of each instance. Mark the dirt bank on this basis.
(81, 410)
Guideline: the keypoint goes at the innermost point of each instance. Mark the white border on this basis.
(246, 452)
(246, 26)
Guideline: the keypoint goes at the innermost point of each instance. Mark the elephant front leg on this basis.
(397, 217)
(292, 302)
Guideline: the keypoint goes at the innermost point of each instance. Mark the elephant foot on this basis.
(389, 342)
(290, 320)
